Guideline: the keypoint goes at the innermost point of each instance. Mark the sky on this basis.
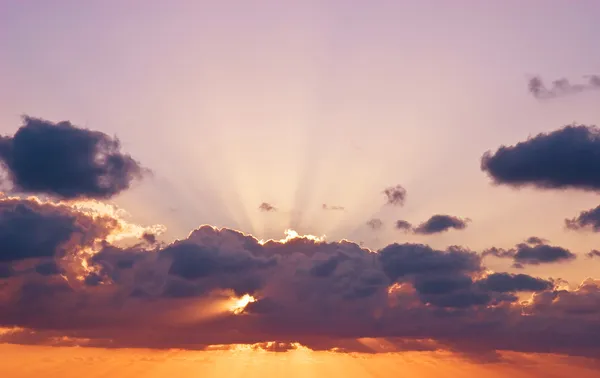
(441, 156)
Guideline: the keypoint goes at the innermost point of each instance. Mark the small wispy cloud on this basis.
(333, 208)
(561, 87)
(267, 207)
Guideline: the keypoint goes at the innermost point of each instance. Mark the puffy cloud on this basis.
(586, 219)
(561, 87)
(440, 223)
(325, 295)
(66, 161)
(562, 159)
(536, 254)
(375, 224)
(395, 195)
(266, 207)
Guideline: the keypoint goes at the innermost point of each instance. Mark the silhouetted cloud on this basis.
(535, 240)
(403, 225)
(48, 268)
(439, 223)
(562, 159)
(506, 282)
(63, 276)
(593, 253)
(267, 207)
(586, 219)
(395, 195)
(375, 224)
(32, 229)
(334, 208)
(524, 254)
(66, 161)
(561, 87)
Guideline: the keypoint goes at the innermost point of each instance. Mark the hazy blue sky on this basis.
(300, 103)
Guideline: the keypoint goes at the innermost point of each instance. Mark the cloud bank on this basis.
(324, 295)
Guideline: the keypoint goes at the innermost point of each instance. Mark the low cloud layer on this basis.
(534, 252)
(321, 294)
(66, 161)
(563, 159)
(561, 87)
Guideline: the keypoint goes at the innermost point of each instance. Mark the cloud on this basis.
(506, 282)
(333, 208)
(267, 207)
(66, 161)
(375, 224)
(563, 159)
(403, 225)
(395, 195)
(320, 294)
(561, 87)
(33, 229)
(524, 254)
(593, 253)
(440, 223)
(589, 219)
(535, 240)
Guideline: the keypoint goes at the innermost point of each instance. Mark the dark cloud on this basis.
(320, 294)
(589, 219)
(440, 223)
(403, 225)
(267, 207)
(375, 224)
(333, 208)
(593, 253)
(395, 195)
(6, 271)
(561, 87)
(66, 161)
(506, 282)
(524, 254)
(149, 237)
(402, 260)
(33, 229)
(562, 159)
(535, 240)
(48, 268)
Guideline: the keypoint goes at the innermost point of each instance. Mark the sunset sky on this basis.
(300, 188)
